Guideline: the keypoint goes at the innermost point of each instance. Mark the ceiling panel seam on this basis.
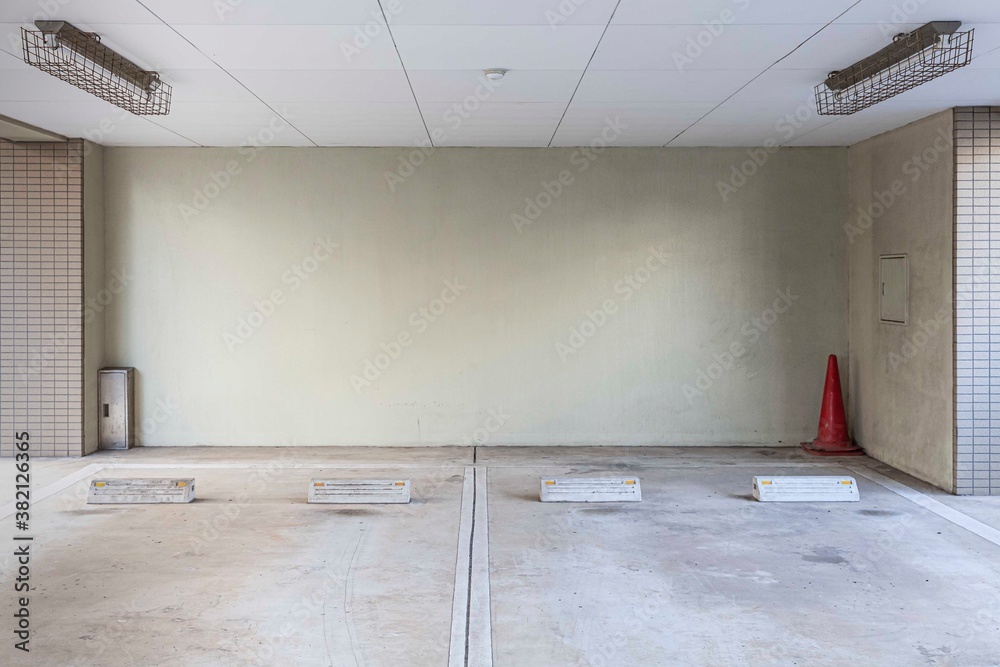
(228, 73)
(406, 74)
(761, 73)
(571, 97)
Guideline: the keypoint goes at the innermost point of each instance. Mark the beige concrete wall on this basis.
(93, 284)
(901, 378)
(495, 295)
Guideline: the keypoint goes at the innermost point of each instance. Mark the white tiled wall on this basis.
(41, 284)
(977, 300)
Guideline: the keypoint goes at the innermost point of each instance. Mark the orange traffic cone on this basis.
(832, 439)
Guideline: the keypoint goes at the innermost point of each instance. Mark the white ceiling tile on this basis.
(491, 121)
(634, 117)
(777, 114)
(728, 12)
(25, 83)
(838, 46)
(205, 85)
(782, 85)
(290, 85)
(355, 135)
(81, 13)
(207, 134)
(448, 116)
(95, 120)
(9, 60)
(659, 86)
(281, 47)
(726, 135)
(980, 59)
(153, 47)
(217, 113)
(333, 70)
(517, 86)
(145, 134)
(267, 12)
(627, 124)
(477, 47)
(961, 87)
(510, 137)
(985, 39)
(331, 113)
(10, 39)
(900, 12)
(586, 136)
(682, 47)
(553, 15)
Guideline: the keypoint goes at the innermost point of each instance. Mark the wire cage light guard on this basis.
(79, 58)
(912, 59)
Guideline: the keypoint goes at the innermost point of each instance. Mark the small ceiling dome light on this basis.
(494, 74)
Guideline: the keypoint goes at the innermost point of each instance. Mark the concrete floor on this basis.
(697, 574)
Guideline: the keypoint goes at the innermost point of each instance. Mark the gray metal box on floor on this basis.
(116, 408)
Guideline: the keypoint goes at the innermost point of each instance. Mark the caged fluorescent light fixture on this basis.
(79, 58)
(913, 58)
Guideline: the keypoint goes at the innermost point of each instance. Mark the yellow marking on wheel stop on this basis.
(847, 481)
(98, 483)
(400, 483)
(182, 483)
(630, 481)
(764, 481)
(317, 483)
(549, 483)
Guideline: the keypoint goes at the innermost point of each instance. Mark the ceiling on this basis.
(335, 73)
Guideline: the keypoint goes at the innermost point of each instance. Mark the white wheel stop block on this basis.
(806, 489)
(359, 491)
(590, 490)
(140, 491)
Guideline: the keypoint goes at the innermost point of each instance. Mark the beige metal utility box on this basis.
(116, 408)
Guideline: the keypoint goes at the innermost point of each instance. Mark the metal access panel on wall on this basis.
(806, 489)
(892, 289)
(140, 491)
(590, 490)
(359, 491)
(116, 406)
